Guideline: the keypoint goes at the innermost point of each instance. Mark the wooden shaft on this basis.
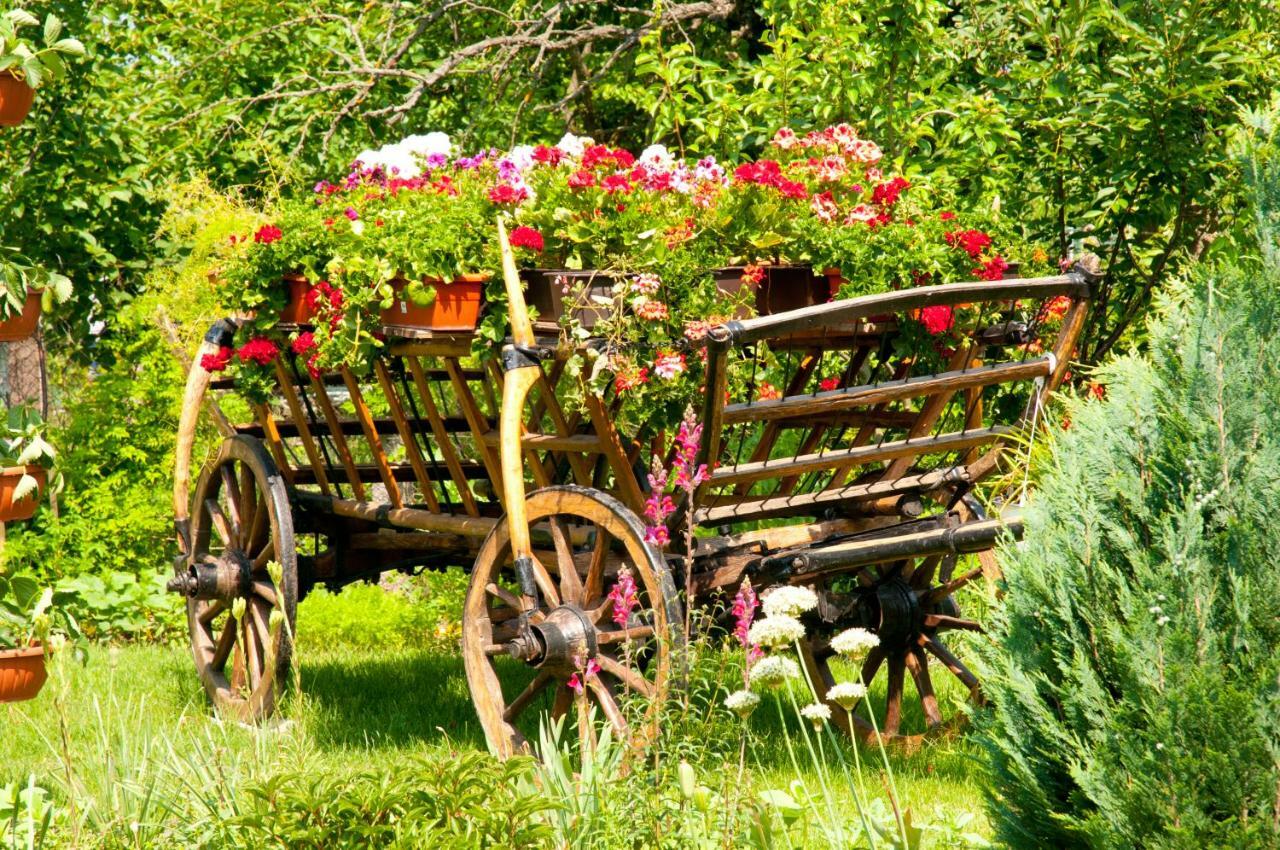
(197, 381)
(517, 310)
(515, 389)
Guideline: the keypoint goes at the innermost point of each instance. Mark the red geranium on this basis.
(303, 343)
(216, 362)
(938, 319)
(886, 194)
(616, 183)
(526, 237)
(972, 242)
(259, 350)
(992, 269)
(581, 180)
(504, 193)
(549, 155)
(267, 234)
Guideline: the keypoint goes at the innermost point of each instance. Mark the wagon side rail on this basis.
(883, 401)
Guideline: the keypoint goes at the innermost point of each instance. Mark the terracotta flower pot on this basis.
(22, 673)
(783, 288)
(296, 310)
(834, 280)
(16, 98)
(545, 292)
(456, 308)
(24, 324)
(26, 506)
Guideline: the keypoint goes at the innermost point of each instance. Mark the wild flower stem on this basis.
(893, 786)
(819, 766)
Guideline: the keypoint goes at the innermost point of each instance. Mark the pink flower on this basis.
(938, 319)
(862, 213)
(650, 309)
(647, 283)
(350, 213)
(624, 597)
(505, 193)
(581, 180)
(216, 362)
(578, 681)
(267, 234)
(830, 169)
(616, 183)
(745, 604)
(668, 364)
(864, 151)
(697, 329)
(526, 237)
(657, 535)
(824, 206)
(260, 350)
(785, 138)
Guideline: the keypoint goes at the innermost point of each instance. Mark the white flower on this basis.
(432, 143)
(854, 643)
(657, 156)
(817, 713)
(776, 632)
(742, 703)
(573, 146)
(789, 601)
(847, 694)
(773, 670)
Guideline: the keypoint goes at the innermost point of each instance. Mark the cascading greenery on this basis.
(1133, 672)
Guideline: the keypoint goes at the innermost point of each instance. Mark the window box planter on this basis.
(23, 508)
(22, 673)
(24, 324)
(584, 291)
(455, 309)
(16, 98)
(783, 288)
(297, 310)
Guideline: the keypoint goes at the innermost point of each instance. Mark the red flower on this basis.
(581, 180)
(303, 343)
(1096, 390)
(526, 237)
(828, 384)
(793, 189)
(946, 215)
(549, 155)
(1056, 308)
(216, 362)
(992, 269)
(267, 234)
(972, 242)
(507, 194)
(752, 275)
(630, 379)
(938, 319)
(768, 392)
(616, 183)
(886, 194)
(260, 350)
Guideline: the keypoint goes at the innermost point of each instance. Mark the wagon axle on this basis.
(229, 577)
(560, 643)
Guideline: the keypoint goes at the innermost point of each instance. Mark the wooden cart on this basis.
(859, 484)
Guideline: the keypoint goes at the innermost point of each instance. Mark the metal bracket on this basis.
(221, 333)
(520, 356)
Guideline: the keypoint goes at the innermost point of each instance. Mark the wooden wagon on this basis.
(860, 486)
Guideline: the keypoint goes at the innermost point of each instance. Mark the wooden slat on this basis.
(713, 408)
(628, 489)
(578, 444)
(300, 420)
(425, 485)
(908, 448)
(773, 428)
(805, 504)
(339, 439)
(272, 438)
(828, 402)
(443, 440)
(365, 418)
(371, 473)
(934, 406)
(479, 425)
(350, 427)
(547, 397)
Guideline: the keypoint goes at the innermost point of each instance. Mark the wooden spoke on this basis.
(604, 698)
(893, 697)
(210, 611)
(232, 488)
(526, 696)
(593, 589)
(918, 666)
(629, 677)
(942, 591)
(509, 599)
(267, 554)
(943, 622)
(266, 591)
(620, 635)
(570, 583)
(258, 528)
(219, 522)
(563, 701)
(250, 503)
(226, 642)
(252, 650)
(545, 585)
(949, 660)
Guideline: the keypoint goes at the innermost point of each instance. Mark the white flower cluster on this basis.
(854, 643)
(847, 694)
(817, 713)
(742, 703)
(776, 632)
(789, 601)
(773, 670)
(404, 158)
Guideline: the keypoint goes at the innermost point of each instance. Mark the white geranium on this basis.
(776, 632)
(816, 713)
(789, 601)
(773, 670)
(573, 146)
(657, 156)
(847, 694)
(854, 643)
(520, 157)
(428, 144)
(742, 703)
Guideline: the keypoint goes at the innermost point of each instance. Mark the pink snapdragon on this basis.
(578, 681)
(745, 604)
(624, 597)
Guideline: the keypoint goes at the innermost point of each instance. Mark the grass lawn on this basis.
(134, 721)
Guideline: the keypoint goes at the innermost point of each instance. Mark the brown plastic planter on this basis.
(22, 673)
(783, 288)
(456, 308)
(296, 310)
(16, 98)
(23, 508)
(545, 292)
(24, 324)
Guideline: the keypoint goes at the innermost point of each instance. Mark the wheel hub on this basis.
(561, 643)
(892, 610)
(227, 578)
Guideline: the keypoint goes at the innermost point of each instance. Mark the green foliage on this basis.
(420, 612)
(30, 613)
(25, 815)
(1133, 674)
(19, 277)
(34, 62)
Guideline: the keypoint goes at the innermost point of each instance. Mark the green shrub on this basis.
(1133, 671)
(422, 612)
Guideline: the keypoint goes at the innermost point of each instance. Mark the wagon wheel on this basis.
(911, 608)
(241, 522)
(519, 667)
